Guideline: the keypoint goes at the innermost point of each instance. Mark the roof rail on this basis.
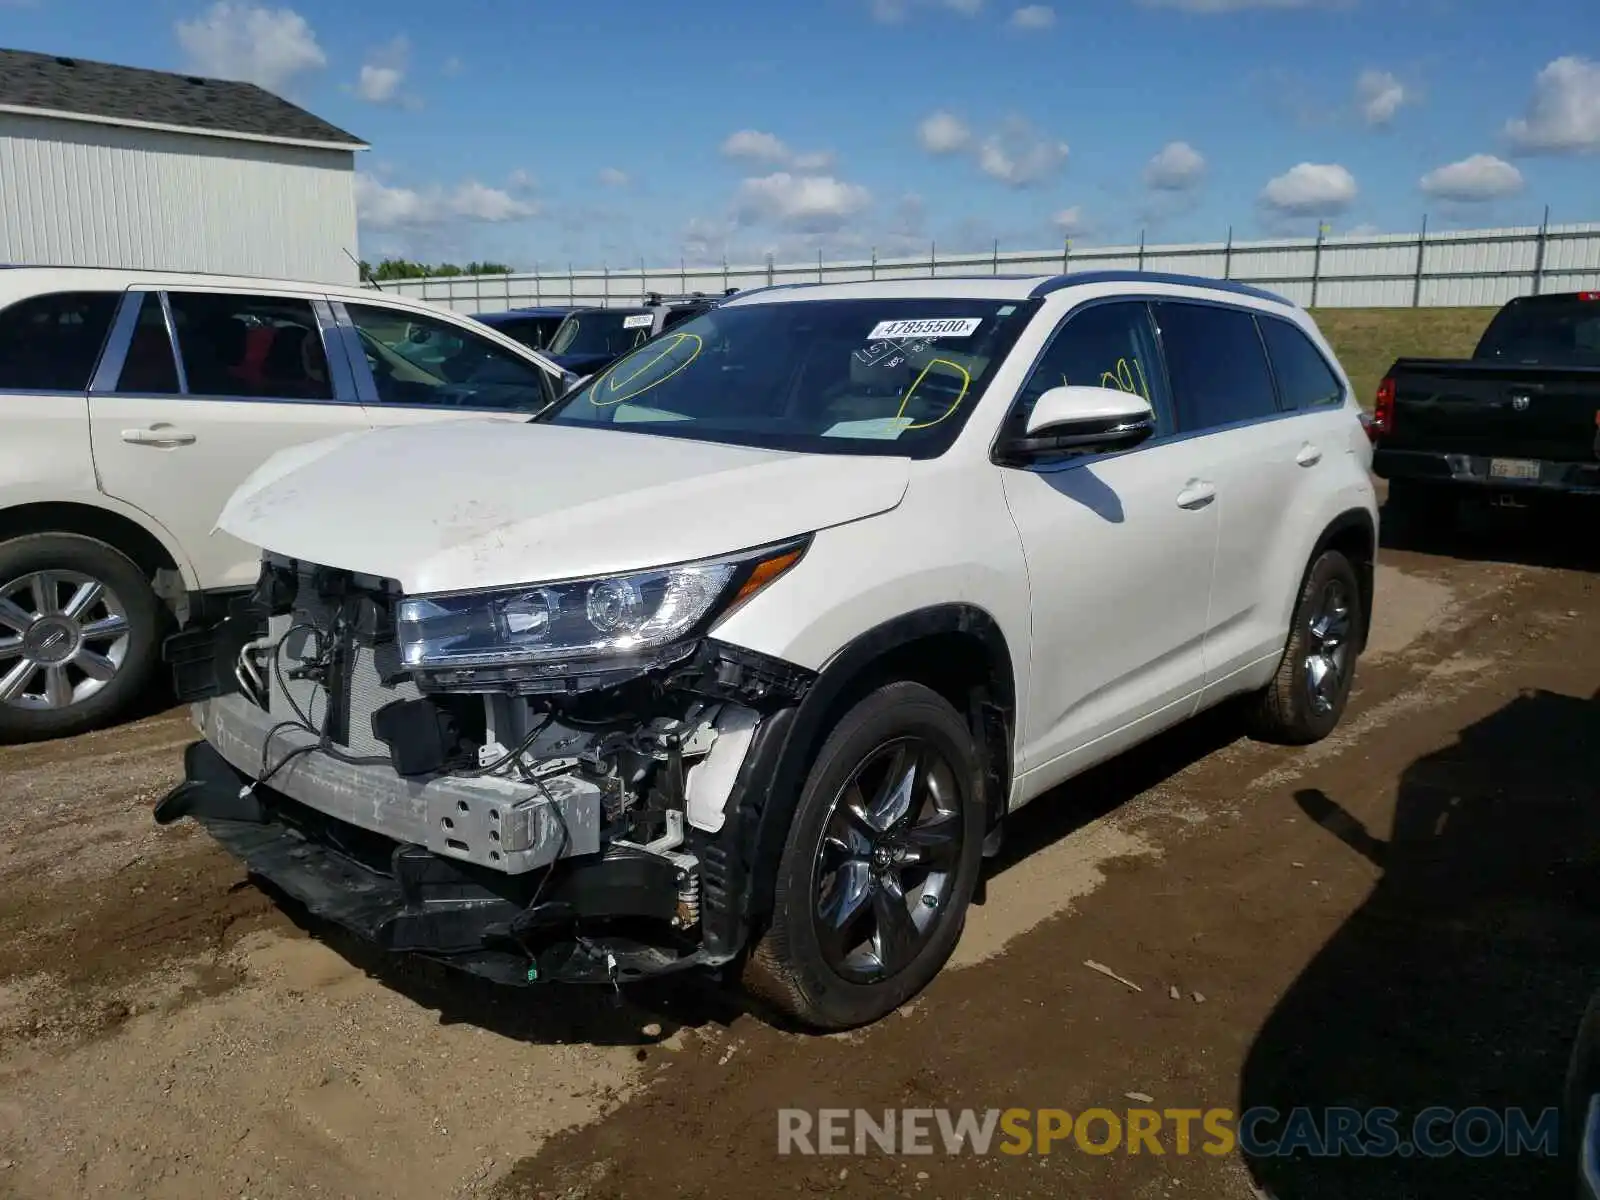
(662, 298)
(1079, 278)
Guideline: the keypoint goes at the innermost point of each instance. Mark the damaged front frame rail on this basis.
(505, 879)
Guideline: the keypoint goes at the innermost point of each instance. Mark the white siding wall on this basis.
(78, 194)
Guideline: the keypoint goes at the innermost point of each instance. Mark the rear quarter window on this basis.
(1304, 378)
(51, 343)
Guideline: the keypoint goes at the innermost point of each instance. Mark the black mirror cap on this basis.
(1077, 437)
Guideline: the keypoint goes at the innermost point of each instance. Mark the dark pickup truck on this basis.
(1518, 420)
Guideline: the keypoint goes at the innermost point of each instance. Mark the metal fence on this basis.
(1423, 269)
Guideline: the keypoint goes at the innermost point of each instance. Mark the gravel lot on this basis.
(1401, 915)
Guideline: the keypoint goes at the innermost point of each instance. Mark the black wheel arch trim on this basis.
(739, 861)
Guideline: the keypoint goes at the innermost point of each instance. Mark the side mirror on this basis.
(1083, 420)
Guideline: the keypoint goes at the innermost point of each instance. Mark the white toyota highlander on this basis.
(738, 656)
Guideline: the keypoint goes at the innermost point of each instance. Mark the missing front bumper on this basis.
(594, 919)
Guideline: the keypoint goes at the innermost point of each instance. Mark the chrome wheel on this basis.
(887, 861)
(63, 637)
(1328, 647)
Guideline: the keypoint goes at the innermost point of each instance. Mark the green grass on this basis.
(1368, 340)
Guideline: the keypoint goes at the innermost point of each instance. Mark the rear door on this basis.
(209, 385)
(411, 367)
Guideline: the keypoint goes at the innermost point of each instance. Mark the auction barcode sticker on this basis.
(958, 327)
(638, 321)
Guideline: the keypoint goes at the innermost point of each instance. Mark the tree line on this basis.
(400, 268)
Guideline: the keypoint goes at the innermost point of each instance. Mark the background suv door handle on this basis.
(157, 435)
(1197, 493)
(1309, 455)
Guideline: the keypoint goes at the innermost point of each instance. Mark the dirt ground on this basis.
(1403, 915)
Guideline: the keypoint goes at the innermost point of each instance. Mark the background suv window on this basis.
(51, 343)
(250, 346)
(1304, 378)
(420, 361)
(1105, 345)
(1217, 365)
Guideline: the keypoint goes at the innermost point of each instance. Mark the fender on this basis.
(739, 861)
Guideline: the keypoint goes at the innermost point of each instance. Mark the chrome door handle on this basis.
(1309, 455)
(1196, 494)
(161, 435)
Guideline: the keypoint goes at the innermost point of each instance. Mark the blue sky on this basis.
(602, 132)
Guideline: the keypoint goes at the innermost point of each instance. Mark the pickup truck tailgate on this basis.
(1502, 409)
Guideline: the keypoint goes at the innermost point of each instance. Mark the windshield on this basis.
(601, 331)
(1553, 331)
(868, 376)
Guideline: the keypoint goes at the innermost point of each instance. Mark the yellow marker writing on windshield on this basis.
(966, 383)
(673, 341)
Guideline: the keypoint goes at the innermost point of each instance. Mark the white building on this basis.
(111, 166)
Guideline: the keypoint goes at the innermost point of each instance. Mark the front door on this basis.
(176, 434)
(1119, 548)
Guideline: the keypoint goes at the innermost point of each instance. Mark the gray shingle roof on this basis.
(218, 106)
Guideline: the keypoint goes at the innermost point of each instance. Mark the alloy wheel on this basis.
(64, 636)
(1328, 647)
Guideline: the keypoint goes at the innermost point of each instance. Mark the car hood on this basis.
(457, 505)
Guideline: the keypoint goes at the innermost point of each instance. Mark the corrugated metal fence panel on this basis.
(1473, 267)
(79, 194)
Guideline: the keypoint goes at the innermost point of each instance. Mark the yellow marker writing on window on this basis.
(613, 382)
(966, 383)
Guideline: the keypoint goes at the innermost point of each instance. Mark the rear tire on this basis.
(1307, 696)
(80, 636)
(879, 866)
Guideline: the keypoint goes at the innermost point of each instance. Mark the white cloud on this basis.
(1563, 115)
(1072, 222)
(1227, 6)
(1379, 96)
(943, 133)
(1033, 16)
(522, 181)
(613, 177)
(1311, 190)
(1481, 177)
(804, 202)
(379, 206)
(1019, 157)
(452, 66)
(384, 72)
(892, 12)
(1177, 167)
(754, 145)
(265, 46)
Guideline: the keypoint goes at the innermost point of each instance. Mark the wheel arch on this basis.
(959, 650)
(1354, 534)
(147, 551)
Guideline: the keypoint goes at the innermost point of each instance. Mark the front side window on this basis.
(51, 343)
(1304, 378)
(870, 376)
(148, 368)
(599, 331)
(255, 347)
(1217, 365)
(1109, 345)
(418, 360)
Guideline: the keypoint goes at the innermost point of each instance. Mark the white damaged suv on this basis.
(738, 656)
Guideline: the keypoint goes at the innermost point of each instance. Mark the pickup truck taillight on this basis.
(1382, 421)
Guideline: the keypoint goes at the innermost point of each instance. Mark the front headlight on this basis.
(540, 635)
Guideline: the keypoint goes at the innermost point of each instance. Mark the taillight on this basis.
(1382, 411)
(1590, 296)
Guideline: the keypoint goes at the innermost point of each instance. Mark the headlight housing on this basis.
(578, 633)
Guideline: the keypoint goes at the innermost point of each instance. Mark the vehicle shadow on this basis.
(546, 1014)
(1460, 981)
(1556, 532)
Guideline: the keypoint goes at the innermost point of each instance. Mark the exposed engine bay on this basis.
(559, 830)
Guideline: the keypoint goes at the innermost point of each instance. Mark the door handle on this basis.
(1309, 455)
(1197, 493)
(159, 435)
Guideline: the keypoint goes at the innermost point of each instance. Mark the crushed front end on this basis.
(523, 817)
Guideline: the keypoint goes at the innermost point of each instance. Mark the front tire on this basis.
(879, 866)
(1307, 696)
(80, 636)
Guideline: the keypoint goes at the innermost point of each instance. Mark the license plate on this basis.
(1513, 468)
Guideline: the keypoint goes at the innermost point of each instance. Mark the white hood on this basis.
(454, 505)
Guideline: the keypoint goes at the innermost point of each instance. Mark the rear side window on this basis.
(1554, 331)
(250, 346)
(51, 343)
(1217, 365)
(1304, 378)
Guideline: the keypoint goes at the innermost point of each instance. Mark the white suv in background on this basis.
(133, 404)
(738, 656)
